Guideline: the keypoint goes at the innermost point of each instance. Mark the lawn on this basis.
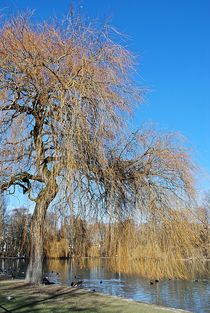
(62, 299)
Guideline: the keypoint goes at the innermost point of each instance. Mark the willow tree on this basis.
(65, 91)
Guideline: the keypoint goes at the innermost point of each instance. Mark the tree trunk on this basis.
(34, 270)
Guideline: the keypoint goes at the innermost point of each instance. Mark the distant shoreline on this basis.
(12, 257)
(95, 257)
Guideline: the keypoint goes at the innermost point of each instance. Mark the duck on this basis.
(13, 275)
(46, 281)
(77, 284)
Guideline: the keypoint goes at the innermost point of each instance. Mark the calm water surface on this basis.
(96, 274)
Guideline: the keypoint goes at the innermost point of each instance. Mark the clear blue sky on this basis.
(172, 40)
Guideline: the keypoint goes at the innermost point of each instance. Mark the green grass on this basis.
(62, 299)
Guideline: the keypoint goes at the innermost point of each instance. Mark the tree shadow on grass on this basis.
(54, 294)
(44, 300)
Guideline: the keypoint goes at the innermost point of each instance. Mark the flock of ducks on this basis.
(79, 283)
(47, 281)
(76, 283)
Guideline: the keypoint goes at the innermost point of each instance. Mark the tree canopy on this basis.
(66, 90)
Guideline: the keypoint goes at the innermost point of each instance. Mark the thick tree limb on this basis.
(23, 177)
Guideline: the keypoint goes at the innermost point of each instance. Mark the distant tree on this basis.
(18, 232)
(3, 224)
(80, 237)
(204, 218)
(206, 205)
(64, 92)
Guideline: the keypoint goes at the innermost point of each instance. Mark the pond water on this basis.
(192, 294)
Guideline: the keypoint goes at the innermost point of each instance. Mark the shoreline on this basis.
(62, 298)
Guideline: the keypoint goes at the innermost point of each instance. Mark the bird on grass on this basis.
(10, 298)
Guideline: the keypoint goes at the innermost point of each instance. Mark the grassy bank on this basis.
(62, 299)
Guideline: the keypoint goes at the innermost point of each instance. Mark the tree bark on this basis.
(35, 267)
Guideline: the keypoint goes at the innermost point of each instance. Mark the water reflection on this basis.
(121, 278)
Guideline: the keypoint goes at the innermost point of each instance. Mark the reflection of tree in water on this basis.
(58, 266)
(147, 268)
(159, 268)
